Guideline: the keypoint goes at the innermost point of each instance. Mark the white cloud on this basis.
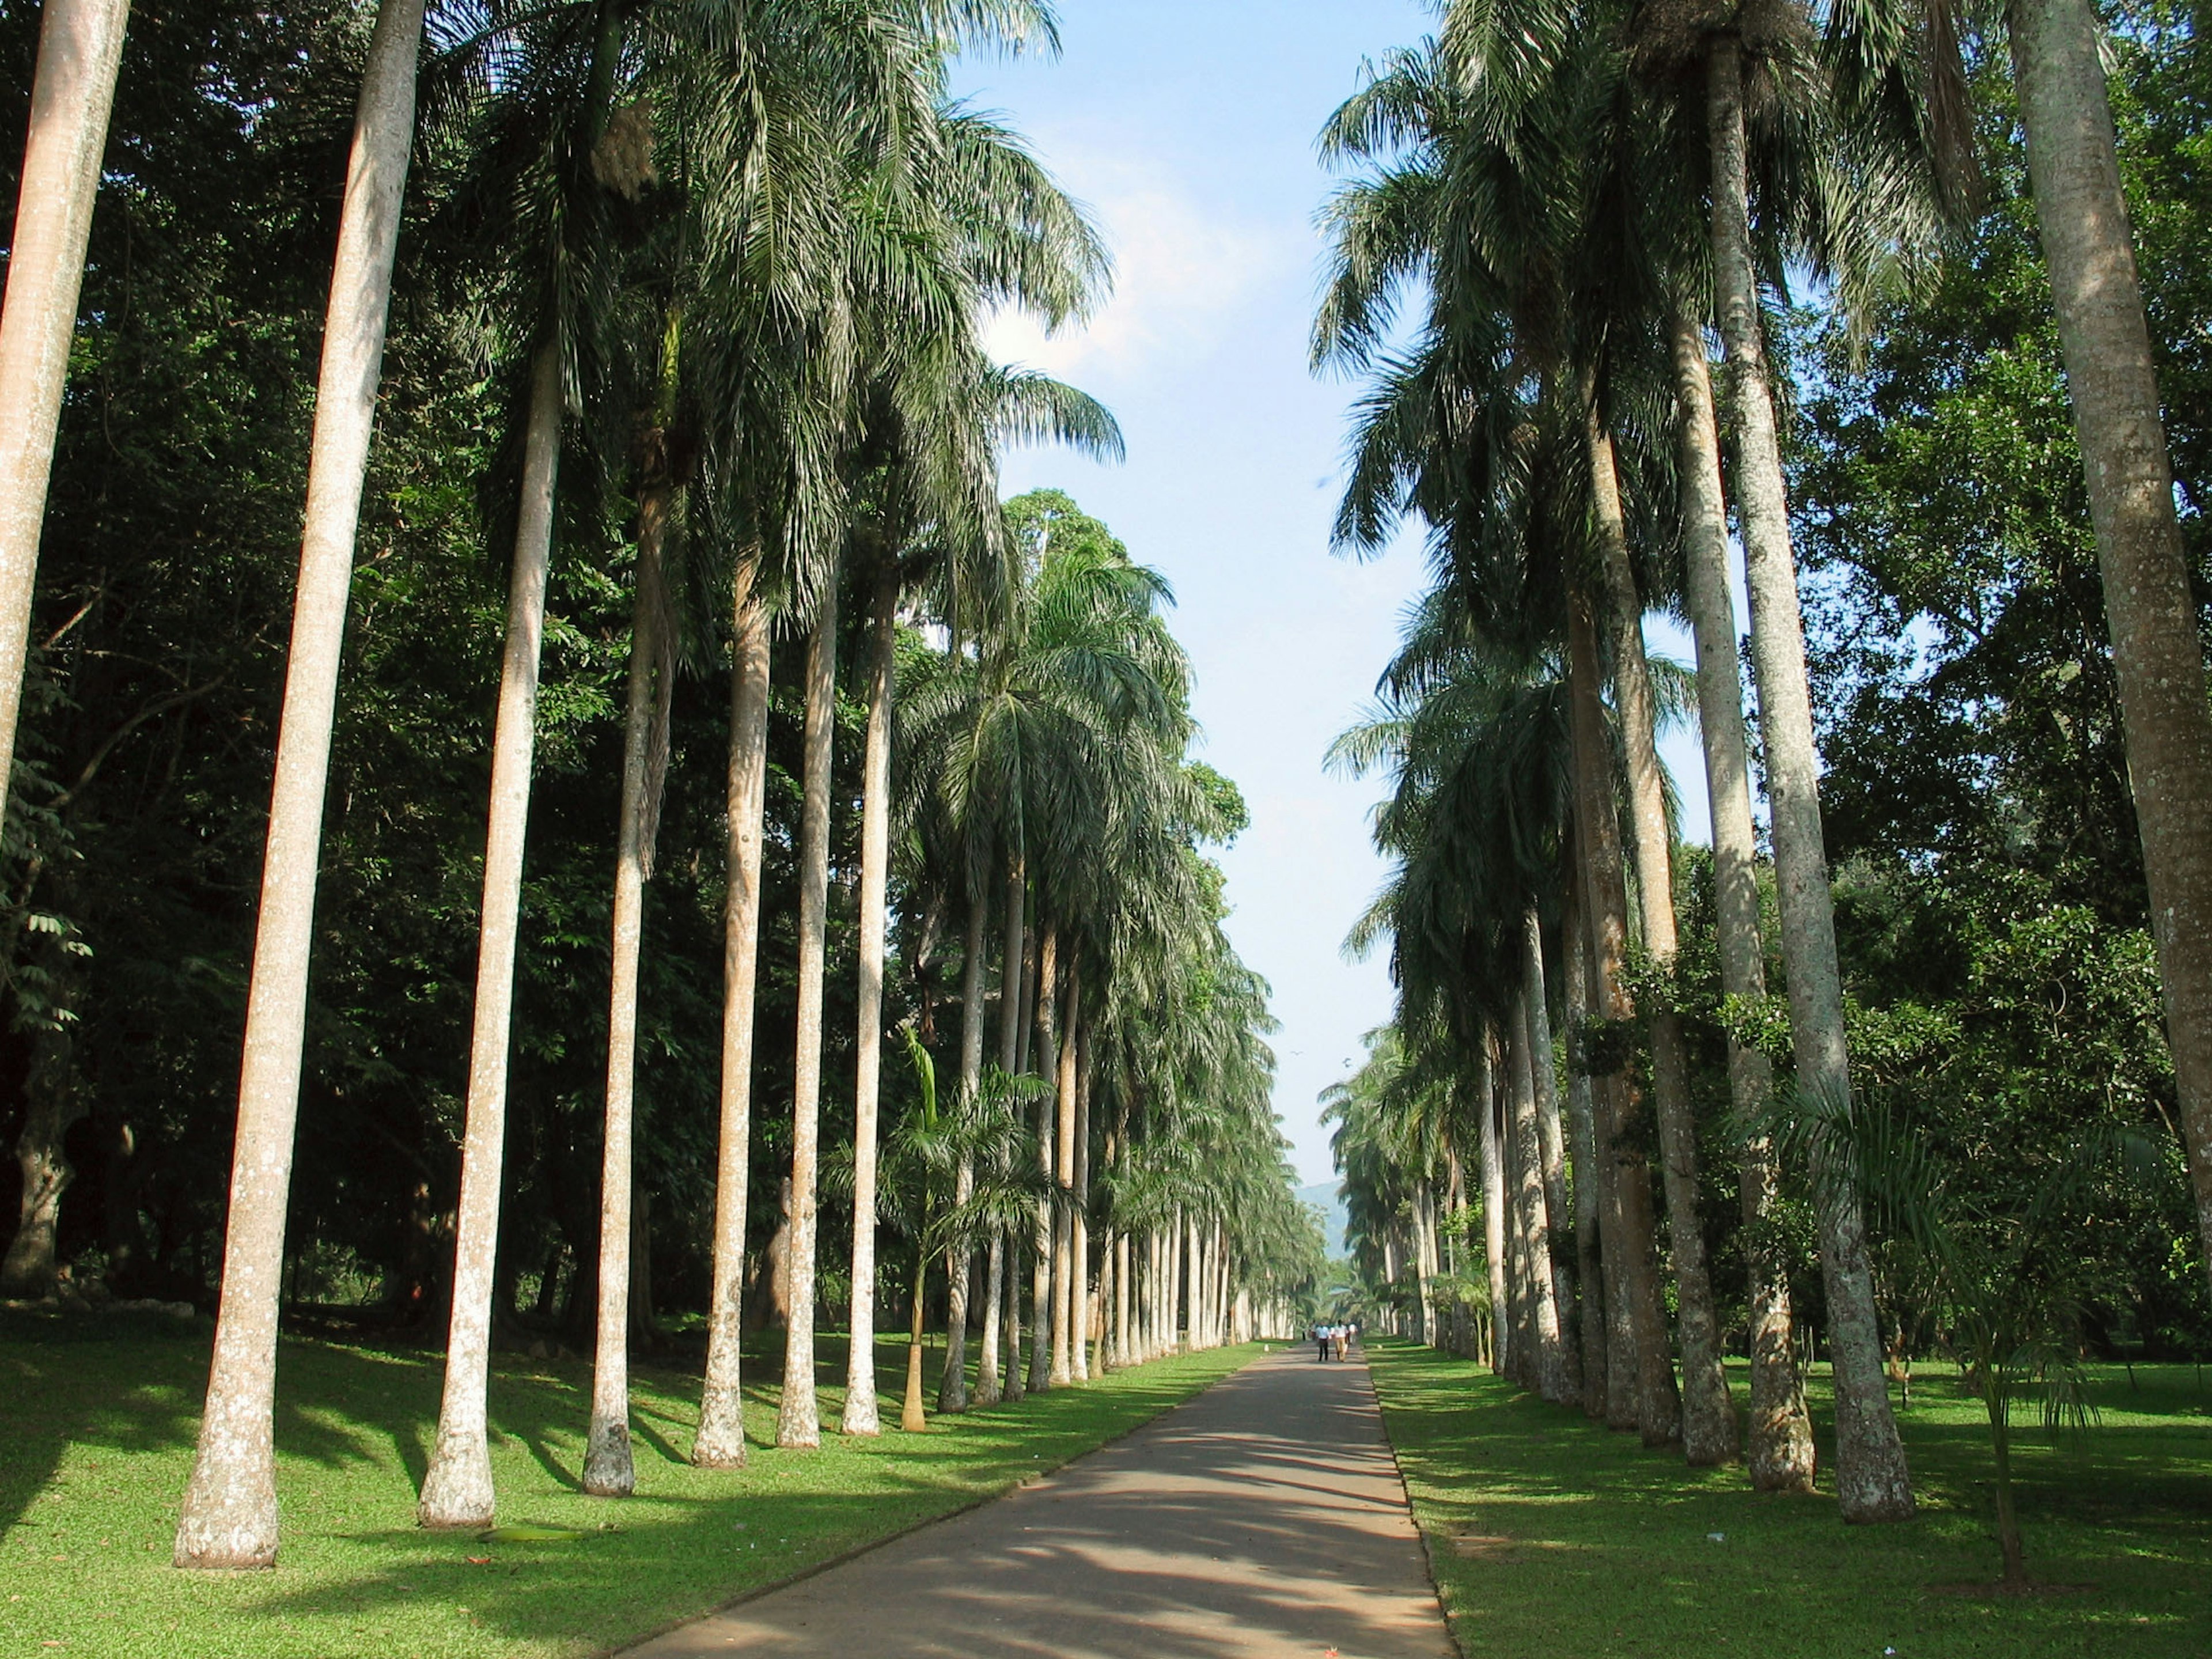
(1182, 275)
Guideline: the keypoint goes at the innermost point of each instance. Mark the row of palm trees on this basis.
(1558, 211)
(734, 256)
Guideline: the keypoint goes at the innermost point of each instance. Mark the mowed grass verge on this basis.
(97, 1423)
(1550, 1536)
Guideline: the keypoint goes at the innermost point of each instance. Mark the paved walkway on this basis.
(1265, 1517)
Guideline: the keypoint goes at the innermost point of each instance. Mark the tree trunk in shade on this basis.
(1552, 1145)
(1779, 1447)
(1493, 1214)
(2157, 650)
(1597, 1291)
(859, 1416)
(609, 1468)
(1527, 1177)
(1709, 1429)
(1658, 1407)
(798, 1419)
(1872, 1482)
(952, 1387)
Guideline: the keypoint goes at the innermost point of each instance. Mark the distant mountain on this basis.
(1328, 1199)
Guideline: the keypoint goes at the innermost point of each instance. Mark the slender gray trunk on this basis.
(1493, 1214)
(1041, 1243)
(799, 1419)
(1552, 1145)
(1780, 1443)
(987, 1353)
(610, 1471)
(860, 1415)
(229, 1514)
(1066, 1304)
(1536, 1221)
(952, 1388)
(2157, 649)
(721, 1440)
(1872, 1482)
(72, 91)
(1078, 1207)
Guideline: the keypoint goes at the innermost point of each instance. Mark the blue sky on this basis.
(1188, 129)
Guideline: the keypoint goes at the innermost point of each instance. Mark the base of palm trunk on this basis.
(610, 1471)
(457, 1491)
(227, 1525)
(721, 1440)
(861, 1415)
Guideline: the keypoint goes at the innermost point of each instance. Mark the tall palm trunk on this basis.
(798, 1419)
(1041, 1243)
(1594, 1289)
(609, 1468)
(721, 1440)
(1551, 1145)
(987, 1353)
(72, 90)
(1066, 1305)
(1000, 1293)
(1658, 1407)
(1493, 1213)
(1709, 1432)
(1872, 1482)
(953, 1387)
(1079, 1206)
(2157, 650)
(230, 1515)
(859, 1414)
(1527, 1175)
(1121, 1354)
(1780, 1446)
(912, 1418)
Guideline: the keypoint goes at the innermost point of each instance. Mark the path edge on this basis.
(1413, 1513)
(971, 1505)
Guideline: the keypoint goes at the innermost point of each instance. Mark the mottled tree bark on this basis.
(2157, 649)
(1709, 1429)
(1594, 1289)
(1552, 1145)
(721, 1440)
(1780, 1443)
(860, 1415)
(1550, 1366)
(72, 91)
(1872, 1483)
(798, 1419)
(953, 1387)
(229, 1513)
(1658, 1409)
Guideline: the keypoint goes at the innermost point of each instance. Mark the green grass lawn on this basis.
(1550, 1536)
(97, 1418)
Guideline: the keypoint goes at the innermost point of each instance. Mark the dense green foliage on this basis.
(166, 582)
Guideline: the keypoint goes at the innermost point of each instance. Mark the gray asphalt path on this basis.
(1265, 1517)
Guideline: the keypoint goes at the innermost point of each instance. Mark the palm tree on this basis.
(72, 90)
(2158, 655)
(229, 1513)
(1779, 1445)
(1872, 1483)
